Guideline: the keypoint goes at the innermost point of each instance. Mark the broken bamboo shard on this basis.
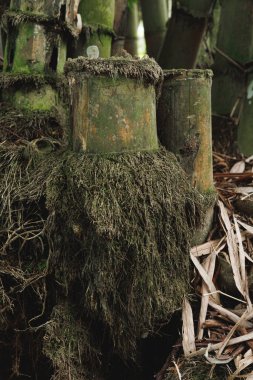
(184, 122)
(155, 16)
(113, 104)
(185, 31)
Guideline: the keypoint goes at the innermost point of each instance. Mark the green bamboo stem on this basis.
(185, 32)
(236, 18)
(131, 41)
(207, 50)
(231, 81)
(4, 5)
(120, 24)
(98, 19)
(155, 16)
(245, 129)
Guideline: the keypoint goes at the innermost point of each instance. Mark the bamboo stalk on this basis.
(111, 113)
(131, 41)
(185, 32)
(155, 16)
(232, 88)
(120, 25)
(98, 19)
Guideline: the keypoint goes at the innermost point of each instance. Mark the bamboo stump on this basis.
(34, 44)
(155, 17)
(184, 128)
(98, 19)
(184, 35)
(113, 104)
(35, 53)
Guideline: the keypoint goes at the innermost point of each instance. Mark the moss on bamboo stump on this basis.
(131, 41)
(113, 104)
(36, 41)
(98, 19)
(184, 34)
(155, 16)
(184, 128)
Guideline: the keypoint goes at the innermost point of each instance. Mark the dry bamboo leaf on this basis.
(229, 314)
(248, 353)
(216, 346)
(178, 372)
(238, 167)
(237, 360)
(232, 249)
(250, 158)
(188, 329)
(244, 363)
(241, 253)
(209, 265)
(225, 294)
(208, 248)
(215, 360)
(205, 277)
(244, 190)
(247, 227)
(231, 333)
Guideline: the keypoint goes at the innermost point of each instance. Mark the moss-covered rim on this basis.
(17, 17)
(8, 80)
(141, 69)
(187, 74)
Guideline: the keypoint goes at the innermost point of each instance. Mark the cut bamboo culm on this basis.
(113, 104)
(33, 44)
(185, 32)
(98, 19)
(155, 17)
(184, 128)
